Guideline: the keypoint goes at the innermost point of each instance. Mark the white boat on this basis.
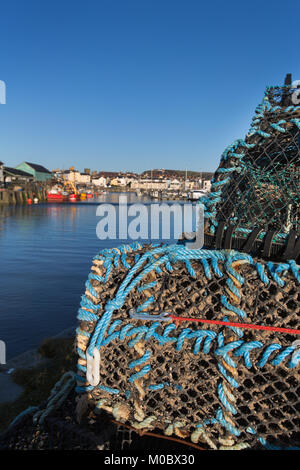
(197, 193)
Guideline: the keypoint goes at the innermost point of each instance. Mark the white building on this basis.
(207, 185)
(120, 181)
(72, 176)
(175, 184)
(101, 181)
(149, 184)
(85, 178)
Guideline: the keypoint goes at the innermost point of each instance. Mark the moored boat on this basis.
(54, 196)
(65, 195)
(197, 194)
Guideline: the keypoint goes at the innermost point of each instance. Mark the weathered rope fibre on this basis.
(226, 386)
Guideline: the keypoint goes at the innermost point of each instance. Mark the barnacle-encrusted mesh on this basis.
(202, 344)
(257, 183)
(212, 383)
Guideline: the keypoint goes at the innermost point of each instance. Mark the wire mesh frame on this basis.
(61, 431)
(267, 398)
(257, 183)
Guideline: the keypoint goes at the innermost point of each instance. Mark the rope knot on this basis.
(114, 304)
(296, 354)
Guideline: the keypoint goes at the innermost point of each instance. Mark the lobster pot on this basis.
(255, 192)
(197, 344)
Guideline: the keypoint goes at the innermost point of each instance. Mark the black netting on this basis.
(258, 181)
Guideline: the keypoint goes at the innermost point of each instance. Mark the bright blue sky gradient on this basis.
(138, 84)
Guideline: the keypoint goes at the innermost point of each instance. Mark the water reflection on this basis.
(45, 258)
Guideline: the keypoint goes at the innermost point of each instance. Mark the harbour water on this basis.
(46, 252)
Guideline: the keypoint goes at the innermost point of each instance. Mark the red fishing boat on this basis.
(54, 196)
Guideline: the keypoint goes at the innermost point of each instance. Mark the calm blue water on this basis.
(46, 252)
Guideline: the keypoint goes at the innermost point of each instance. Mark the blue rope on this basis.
(107, 331)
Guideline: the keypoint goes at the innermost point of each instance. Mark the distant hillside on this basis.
(179, 174)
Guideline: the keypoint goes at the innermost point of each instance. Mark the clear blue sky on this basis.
(138, 84)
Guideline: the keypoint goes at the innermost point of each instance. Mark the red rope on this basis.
(239, 325)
